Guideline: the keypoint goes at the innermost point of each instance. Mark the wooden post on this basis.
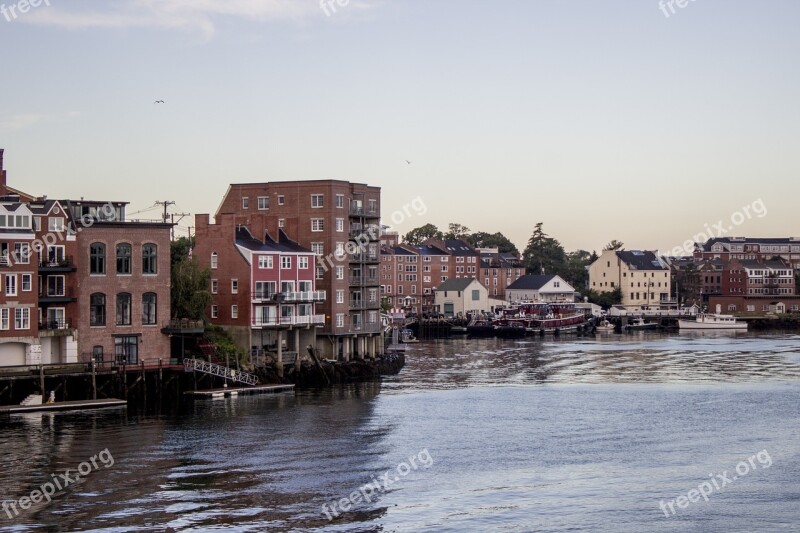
(279, 363)
(41, 380)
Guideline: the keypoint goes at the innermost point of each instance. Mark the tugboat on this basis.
(714, 321)
(481, 328)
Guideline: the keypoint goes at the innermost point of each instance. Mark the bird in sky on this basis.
(159, 102)
(407, 161)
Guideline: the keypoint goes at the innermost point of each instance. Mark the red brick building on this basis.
(750, 249)
(339, 222)
(263, 288)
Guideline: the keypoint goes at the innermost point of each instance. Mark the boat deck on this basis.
(79, 405)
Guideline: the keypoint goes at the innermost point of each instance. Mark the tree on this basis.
(457, 231)
(575, 272)
(190, 293)
(605, 299)
(544, 254)
(419, 235)
(179, 249)
(614, 245)
(497, 240)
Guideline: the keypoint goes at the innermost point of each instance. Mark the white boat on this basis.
(605, 325)
(713, 321)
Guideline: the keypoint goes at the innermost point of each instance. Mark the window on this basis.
(264, 262)
(55, 224)
(317, 200)
(340, 225)
(22, 253)
(265, 289)
(476, 295)
(97, 258)
(340, 320)
(317, 224)
(302, 262)
(234, 286)
(281, 222)
(11, 284)
(339, 272)
(340, 201)
(149, 256)
(339, 296)
(27, 282)
(149, 308)
(5, 321)
(214, 260)
(263, 203)
(234, 311)
(281, 199)
(22, 318)
(97, 309)
(126, 349)
(320, 272)
(97, 354)
(123, 309)
(286, 262)
(318, 248)
(245, 202)
(123, 258)
(214, 311)
(214, 286)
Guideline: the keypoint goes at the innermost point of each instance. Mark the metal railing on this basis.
(184, 323)
(307, 320)
(304, 296)
(195, 365)
(54, 325)
(56, 262)
(361, 211)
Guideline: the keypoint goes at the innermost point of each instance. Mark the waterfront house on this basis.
(540, 288)
(459, 296)
(643, 278)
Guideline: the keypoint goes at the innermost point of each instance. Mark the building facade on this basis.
(339, 222)
(751, 249)
(543, 288)
(643, 279)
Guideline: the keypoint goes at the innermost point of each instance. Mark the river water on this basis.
(642, 432)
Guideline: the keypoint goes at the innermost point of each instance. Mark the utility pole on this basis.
(181, 215)
(166, 204)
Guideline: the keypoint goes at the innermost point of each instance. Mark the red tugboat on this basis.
(542, 318)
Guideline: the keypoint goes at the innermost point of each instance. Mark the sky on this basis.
(615, 119)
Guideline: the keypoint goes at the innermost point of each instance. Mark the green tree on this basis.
(179, 249)
(457, 231)
(605, 299)
(481, 239)
(419, 235)
(190, 293)
(614, 245)
(575, 272)
(544, 254)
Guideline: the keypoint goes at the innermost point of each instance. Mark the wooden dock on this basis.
(80, 405)
(240, 391)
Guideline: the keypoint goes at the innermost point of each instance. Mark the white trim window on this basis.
(265, 262)
(55, 224)
(245, 202)
(339, 225)
(340, 320)
(22, 318)
(214, 260)
(5, 320)
(302, 262)
(27, 282)
(214, 311)
(317, 224)
(286, 262)
(11, 284)
(234, 311)
(339, 272)
(234, 286)
(317, 201)
(263, 203)
(339, 296)
(340, 201)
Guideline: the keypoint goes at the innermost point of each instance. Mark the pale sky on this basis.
(603, 119)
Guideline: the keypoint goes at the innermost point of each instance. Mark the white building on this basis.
(459, 296)
(644, 279)
(544, 288)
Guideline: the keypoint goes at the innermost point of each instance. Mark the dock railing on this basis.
(221, 371)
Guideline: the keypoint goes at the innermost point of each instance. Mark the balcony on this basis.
(364, 304)
(55, 328)
(372, 232)
(360, 329)
(277, 297)
(50, 296)
(363, 280)
(365, 258)
(62, 264)
(361, 211)
(285, 321)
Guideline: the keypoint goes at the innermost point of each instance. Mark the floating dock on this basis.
(80, 405)
(237, 391)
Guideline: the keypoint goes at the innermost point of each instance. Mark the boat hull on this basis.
(692, 325)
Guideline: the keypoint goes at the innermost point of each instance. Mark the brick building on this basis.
(499, 270)
(750, 249)
(339, 222)
(262, 288)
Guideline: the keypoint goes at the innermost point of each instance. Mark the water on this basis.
(480, 435)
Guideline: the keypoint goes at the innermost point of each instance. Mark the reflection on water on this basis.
(541, 435)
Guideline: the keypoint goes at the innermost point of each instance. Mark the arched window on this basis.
(97, 258)
(214, 259)
(149, 259)
(97, 309)
(149, 316)
(123, 309)
(123, 258)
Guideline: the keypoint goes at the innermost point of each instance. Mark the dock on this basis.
(237, 391)
(79, 405)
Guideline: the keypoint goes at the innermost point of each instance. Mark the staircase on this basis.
(32, 399)
(196, 365)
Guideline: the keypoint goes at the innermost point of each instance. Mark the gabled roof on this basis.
(531, 282)
(284, 244)
(456, 284)
(459, 247)
(429, 249)
(399, 250)
(641, 260)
